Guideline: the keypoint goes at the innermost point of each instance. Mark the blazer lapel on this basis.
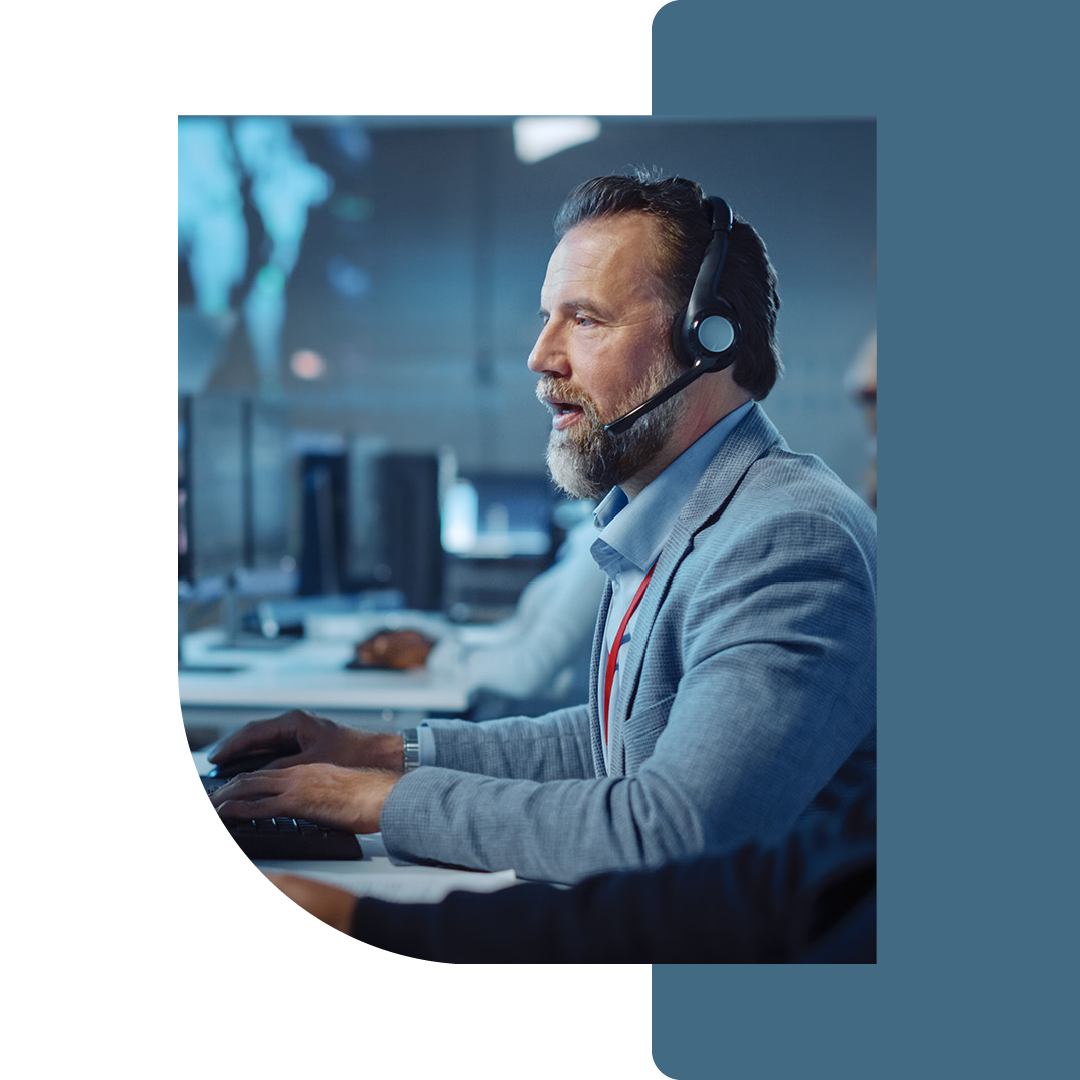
(750, 440)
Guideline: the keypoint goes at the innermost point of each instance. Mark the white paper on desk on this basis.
(413, 884)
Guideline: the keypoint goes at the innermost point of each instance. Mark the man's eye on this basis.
(583, 320)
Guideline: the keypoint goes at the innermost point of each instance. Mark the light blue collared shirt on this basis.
(633, 533)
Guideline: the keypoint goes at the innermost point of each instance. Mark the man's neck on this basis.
(695, 422)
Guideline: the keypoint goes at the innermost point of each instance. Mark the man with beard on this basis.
(733, 685)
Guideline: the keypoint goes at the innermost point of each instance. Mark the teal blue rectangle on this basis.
(977, 711)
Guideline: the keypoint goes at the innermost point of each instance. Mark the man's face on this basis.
(604, 348)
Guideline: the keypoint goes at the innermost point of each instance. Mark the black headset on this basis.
(708, 330)
(706, 334)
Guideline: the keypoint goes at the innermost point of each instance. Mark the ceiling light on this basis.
(538, 137)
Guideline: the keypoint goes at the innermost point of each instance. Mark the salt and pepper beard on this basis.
(587, 461)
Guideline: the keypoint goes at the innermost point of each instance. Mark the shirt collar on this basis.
(633, 531)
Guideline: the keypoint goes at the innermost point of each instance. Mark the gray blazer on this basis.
(748, 696)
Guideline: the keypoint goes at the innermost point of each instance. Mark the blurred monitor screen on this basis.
(498, 516)
(212, 438)
(270, 486)
(394, 525)
(365, 562)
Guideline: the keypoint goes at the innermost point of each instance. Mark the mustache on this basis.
(549, 390)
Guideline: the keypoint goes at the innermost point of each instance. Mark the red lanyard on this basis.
(613, 655)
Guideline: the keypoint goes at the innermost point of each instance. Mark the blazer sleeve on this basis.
(542, 748)
(761, 685)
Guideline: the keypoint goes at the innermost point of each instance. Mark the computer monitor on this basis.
(211, 500)
(323, 510)
(410, 523)
(365, 564)
(184, 570)
(212, 457)
(499, 516)
(236, 488)
(270, 486)
(394, 523)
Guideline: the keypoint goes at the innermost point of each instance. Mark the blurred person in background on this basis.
(535, 660)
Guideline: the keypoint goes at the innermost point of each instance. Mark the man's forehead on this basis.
(618, 251)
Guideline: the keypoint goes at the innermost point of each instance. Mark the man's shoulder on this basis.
(765, 502)
(786, 479)
(791, 519)
(763, 475)
(799, 496)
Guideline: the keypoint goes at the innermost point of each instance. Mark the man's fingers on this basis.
(273, 793)
(249, 786)
(253, 795)
(349, 799)
(260, 808)
(258, 735)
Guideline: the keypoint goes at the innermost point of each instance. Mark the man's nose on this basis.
(548, 356)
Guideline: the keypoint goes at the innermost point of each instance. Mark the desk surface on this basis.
(375, 875)
(308, 674)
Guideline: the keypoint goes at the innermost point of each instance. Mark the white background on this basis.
(127, 954)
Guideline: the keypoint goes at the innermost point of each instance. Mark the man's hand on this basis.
(349, 799)
(333, 906)
(302, 738)
(396, 649)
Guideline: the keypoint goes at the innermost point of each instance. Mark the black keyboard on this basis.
(286, 838)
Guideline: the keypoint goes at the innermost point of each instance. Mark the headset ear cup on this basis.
(715, 334)
(712, 337)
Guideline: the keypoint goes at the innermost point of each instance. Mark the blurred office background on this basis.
(357, 300)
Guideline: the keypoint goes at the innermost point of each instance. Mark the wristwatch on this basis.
(412, 750)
